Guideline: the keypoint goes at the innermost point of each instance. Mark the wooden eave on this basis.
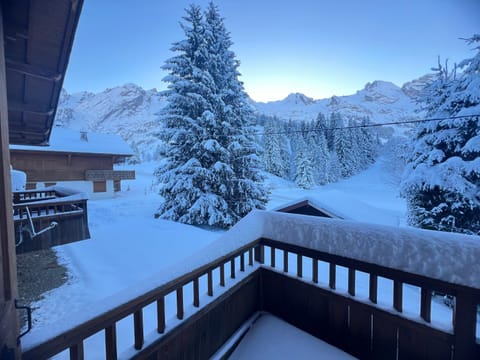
(38, 37)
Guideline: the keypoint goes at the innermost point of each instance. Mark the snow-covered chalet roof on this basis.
(67, 140)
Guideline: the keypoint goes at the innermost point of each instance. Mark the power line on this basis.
(366, 125)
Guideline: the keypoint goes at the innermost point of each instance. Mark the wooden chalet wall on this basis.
(8, 277)
(43, 166)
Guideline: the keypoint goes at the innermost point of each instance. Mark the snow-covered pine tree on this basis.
(206, 129)
(275, 155)
(344, 147)
(304, 173)
(442, 180)
(235, 118)
(368, 143)
(317, 143)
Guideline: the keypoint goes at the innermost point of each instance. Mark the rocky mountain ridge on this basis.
(133, 112)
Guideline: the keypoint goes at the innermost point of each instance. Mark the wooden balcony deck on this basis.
(358, 326)
(36, 210)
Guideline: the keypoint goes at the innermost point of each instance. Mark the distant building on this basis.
(308, 207)
(75, 159)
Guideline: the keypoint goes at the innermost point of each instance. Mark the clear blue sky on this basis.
(320, 48)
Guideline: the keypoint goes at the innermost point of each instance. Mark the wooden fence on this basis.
(44, 208)
(357, 326)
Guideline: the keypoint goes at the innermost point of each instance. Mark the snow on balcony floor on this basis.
(272, 338)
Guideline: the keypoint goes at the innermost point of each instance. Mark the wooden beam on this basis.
(32, 70)
(30, 108)
(14, 32)
(9, 325)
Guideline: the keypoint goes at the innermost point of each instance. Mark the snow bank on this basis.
(272, 338)
(445, 256)
(19, 180)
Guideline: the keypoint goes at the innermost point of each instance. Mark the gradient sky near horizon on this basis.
(319, 48)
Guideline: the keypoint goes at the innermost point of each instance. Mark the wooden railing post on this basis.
(161, 315)
(111, 342)
(373, 288)
(332, 278)
(232, 268)
(259, 253)
(398, 295)
(138, 329)
(76, 351)
(222, 275)
(315, 271)
(299, 265)
(464, 323)
(180, 303)
(426, 304)
(210, 283)
(196, 293)
(351, 281)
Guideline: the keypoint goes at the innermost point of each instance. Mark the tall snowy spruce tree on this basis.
(211, 173)
(442, 179)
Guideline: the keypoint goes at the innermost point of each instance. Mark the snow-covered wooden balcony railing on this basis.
(49, 217)
(266, 257)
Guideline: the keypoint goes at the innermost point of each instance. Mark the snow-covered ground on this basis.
(128, 246)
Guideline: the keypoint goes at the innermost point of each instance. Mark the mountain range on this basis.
(132, 112)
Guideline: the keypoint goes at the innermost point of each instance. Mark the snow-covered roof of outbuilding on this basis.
(291, 206)
(72, 141)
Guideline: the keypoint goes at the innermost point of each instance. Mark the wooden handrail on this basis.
(73, 338)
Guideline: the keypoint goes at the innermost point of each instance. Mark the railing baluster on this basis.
(351, 281)
(259, 253)
(315, 271)
(299, 265)
(285, 261)
(250, 256)
(196, 293)
(111, 342)
(373, 288)
(332, 276)
(222, 275)
(161, 315)
(242, 262)
(76, 351)
(398, 295)
(180, 303)
(464, 326)
(138, 328)
(210, 283)
(232, 268)
(272, 256)
(426, 304)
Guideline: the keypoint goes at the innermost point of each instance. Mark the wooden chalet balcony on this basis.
(259, 266)
(101, 175)
(49, 217)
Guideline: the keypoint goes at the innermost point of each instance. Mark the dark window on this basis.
(99, 186)
(31, 186)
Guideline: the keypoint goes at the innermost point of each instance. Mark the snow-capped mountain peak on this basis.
(298, 98)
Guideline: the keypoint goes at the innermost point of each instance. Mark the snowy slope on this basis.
(132, 112)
